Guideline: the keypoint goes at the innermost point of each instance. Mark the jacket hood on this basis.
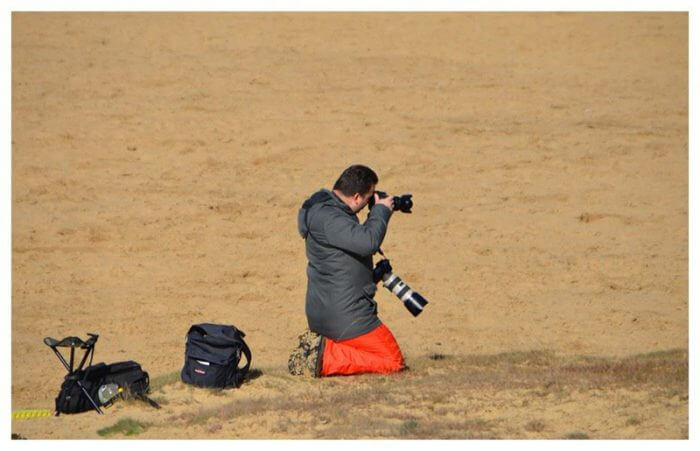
(322, 196)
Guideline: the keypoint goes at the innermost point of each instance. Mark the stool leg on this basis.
(60, 357)
(85, 392)
(89, 351)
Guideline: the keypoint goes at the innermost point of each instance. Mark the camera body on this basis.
(412, 300)
(402, 203)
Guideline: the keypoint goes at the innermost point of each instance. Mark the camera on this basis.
(412, 300)
(402, 203)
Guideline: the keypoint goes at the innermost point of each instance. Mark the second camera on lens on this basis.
(402, 203)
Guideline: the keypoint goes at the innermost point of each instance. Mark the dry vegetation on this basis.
(504, 396)
(450, 397)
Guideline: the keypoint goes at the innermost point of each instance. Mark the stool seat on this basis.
(68, 342)
(72, 342)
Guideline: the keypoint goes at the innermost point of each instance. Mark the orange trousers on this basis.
(373, 352)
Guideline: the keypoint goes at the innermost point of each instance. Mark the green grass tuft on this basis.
(126, 426)
(408, 427)
(633, 421)
(576, 436)
(158, 382)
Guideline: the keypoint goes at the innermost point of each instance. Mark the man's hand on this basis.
(387, 201)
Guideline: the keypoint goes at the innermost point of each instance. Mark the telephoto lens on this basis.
(413, 301)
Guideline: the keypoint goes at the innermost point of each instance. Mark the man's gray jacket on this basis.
(340, 292)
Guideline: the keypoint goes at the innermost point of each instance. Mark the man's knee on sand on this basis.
(339, 359)
(343, 358)
(374, 352)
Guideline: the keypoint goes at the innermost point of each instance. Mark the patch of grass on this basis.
(664, 368)
(420, 402)
(576, 436)
(126, 426)
(471, 428)
(529, 358)
(633, 421)
(408, 427)
(282, 426)
(160, 381)
(535, 426)
(669, 354)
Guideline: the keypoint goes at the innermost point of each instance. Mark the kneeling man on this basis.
(345, 334)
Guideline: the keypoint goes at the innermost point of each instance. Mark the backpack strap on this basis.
(242, 372)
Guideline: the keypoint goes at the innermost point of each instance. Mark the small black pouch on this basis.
(132, 380)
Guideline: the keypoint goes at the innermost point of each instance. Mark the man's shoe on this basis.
(305, 359)
(318, 363)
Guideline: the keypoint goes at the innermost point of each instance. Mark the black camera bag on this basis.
(128, 375)
(212, 355)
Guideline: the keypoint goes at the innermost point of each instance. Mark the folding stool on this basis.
(73, 343)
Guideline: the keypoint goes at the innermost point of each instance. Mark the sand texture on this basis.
(159, 160)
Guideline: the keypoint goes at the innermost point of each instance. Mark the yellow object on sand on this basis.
(31, 413)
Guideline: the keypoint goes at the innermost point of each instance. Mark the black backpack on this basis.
(212, 355)
(131, 379)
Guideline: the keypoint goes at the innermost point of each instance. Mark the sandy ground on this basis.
(159, 161)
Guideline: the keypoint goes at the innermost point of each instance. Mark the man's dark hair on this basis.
(356, 179)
